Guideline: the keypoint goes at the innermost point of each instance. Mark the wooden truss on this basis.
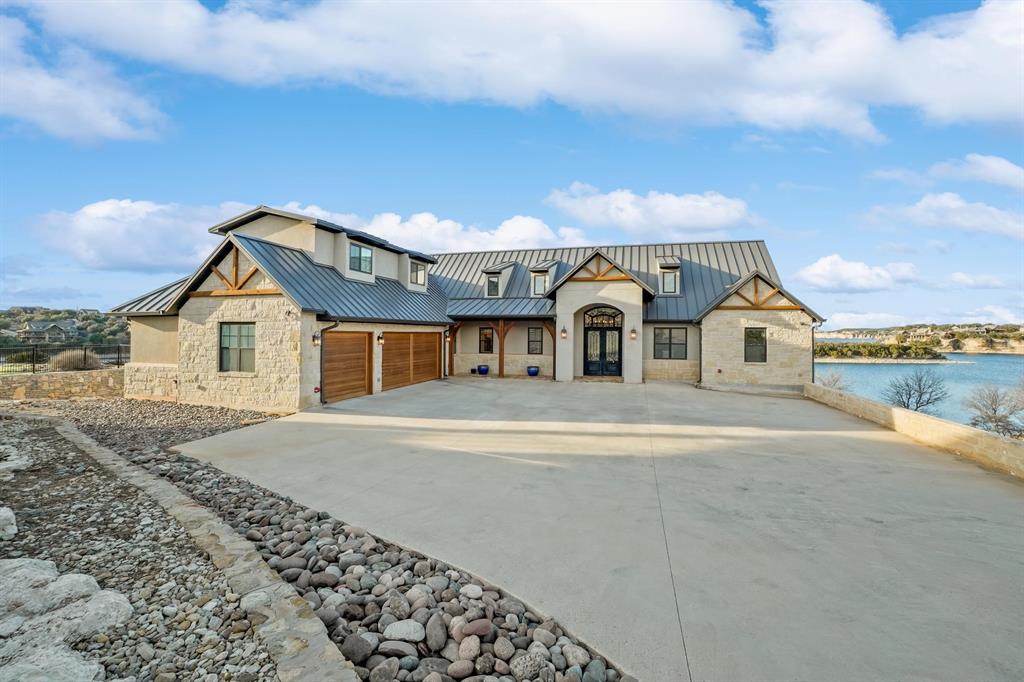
(235, 283)
(761, 299)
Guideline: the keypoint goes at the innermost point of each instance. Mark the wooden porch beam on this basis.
(235, 292)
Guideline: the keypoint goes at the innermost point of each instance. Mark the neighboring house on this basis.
(290, 310)
(36, 331)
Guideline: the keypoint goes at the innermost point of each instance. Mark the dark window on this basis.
(417, 273)
(535, 340)
(670, 282)
(540, 284)
(238, 346)
(669, 343)
(360, 258)
(755, 344)
(486, 340)
(492, 284)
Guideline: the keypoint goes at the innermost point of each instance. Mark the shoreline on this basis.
(889, 361)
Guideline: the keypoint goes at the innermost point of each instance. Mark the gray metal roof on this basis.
(648, 291)
(498, 267)
(543, 266)
(706, 270)
(155, 302)
(501, 307)
(313, 287)
(323, 289)
(260, 211)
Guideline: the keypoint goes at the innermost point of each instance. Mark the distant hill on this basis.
(968, 338)
(85, 325)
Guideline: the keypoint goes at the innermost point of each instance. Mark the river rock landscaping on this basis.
(394, 613)
(169, 614)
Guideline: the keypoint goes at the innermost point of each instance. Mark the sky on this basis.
(876, 147)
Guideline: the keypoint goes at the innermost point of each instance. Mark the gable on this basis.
(758, 294)
(235, 274)
(599, 269)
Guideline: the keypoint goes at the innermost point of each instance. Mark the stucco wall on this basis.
(572, 298)
(154, 381)
(988, 449)
(154, 339)
(789, 348)
(676, 370)
(516, 357)
(100, 383)
(280, 230)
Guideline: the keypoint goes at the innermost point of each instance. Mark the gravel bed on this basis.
(396, 614)
(185, 623)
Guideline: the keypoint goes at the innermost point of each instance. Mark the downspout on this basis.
(814, 328)
(323, 401)
(700, 360)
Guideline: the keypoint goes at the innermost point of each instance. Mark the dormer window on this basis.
(417, 273)
(540, 283)
(670, 281)
(360, 258)
(493, 286)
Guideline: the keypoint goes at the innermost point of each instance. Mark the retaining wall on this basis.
(100, 383)
(987, 449)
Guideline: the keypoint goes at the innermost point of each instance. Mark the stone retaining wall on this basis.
(151, 381)
(100, 383)
(987, 449)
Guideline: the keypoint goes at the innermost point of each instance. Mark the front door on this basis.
(602, 356)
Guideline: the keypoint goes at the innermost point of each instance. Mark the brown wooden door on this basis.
(410, 358)
(348, 365)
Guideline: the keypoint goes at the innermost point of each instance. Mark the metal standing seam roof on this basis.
(706, 270)
(155, 302)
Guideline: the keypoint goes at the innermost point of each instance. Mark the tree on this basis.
(916, 391)
(833, 380)
(996, 409)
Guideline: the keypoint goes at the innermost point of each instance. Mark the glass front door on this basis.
(602, 356)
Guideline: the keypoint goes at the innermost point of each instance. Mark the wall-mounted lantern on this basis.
(632, 334)
(380, 338)
(564, 334)
(316, 337)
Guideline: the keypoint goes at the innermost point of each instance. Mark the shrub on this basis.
(916, 391)
(24, 356)
(833, 380)
(73, 359)
(1000, 410)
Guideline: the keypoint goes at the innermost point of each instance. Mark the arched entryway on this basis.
(602, 342)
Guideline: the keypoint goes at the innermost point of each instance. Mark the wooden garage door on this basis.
(410, 357)
(348, 363)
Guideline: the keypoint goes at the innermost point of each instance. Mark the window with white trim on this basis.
(493, 286)
(238, 346)
(417, 273)
(670, 281)
(360, 258)
(540, 283)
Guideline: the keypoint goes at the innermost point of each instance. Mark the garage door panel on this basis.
(347, 368)
(410, 358)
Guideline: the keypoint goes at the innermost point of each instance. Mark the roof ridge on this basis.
(602, 246)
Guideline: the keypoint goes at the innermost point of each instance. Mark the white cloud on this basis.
(964, 279)
(835, 274)
(950, 210)
(994, 170)
(809, 66)
(76, 97)
(939, 245)
(981, 168)
(996, 314)
(144, 236)
(428, 233)
(855, 320)
(666, 215)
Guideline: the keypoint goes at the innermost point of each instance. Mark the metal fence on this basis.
(48, 358)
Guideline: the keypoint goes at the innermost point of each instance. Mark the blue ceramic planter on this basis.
(482, 369)
(533, 370)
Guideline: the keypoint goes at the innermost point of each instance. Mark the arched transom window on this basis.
(602, 317)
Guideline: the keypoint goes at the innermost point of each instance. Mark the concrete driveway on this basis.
(688, 534)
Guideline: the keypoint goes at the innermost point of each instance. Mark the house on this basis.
(49, 331)
(290, 311)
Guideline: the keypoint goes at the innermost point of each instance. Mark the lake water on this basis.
(985, 370)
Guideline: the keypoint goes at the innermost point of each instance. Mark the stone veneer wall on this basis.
(149, 380)
(789, 348)
(100, 383)
(988, 449)
(515, 364)
(274, 386)
(657, 369)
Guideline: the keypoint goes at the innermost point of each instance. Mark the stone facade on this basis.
(100, 383)
(656, 369)
(516, 357)
(789, 362)
(273, 386)
(150, 380)
(987, 449)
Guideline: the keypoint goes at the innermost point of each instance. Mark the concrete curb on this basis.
(296, 638)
